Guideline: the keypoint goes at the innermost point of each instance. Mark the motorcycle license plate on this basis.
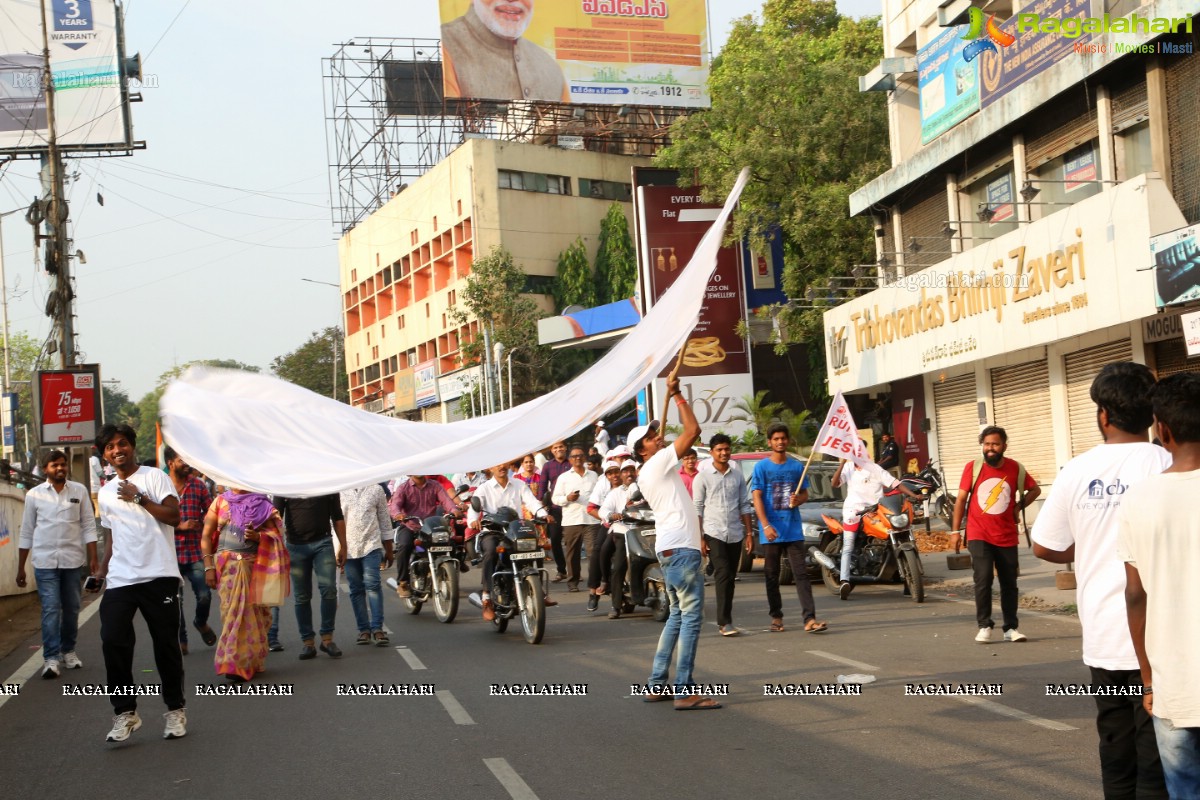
(522, 556)
(440, 549)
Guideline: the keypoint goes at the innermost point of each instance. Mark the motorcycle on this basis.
(517, 583)
(437, 559)
(930, 483)
(884, 550)
(645, 582)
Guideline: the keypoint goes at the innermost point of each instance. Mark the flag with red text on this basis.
(838, 437)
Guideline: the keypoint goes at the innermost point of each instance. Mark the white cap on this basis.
(620, 451)
(610, 465)
(636, 435)
(599, 423)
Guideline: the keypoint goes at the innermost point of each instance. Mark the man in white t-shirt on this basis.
(141, 509)
(678, 547)
(864, 488)
(602, 438)
(1159, 540)
(1078, 523)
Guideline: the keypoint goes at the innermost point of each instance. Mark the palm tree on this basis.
(757, 411)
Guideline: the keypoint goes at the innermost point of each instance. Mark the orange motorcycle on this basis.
(884, 549)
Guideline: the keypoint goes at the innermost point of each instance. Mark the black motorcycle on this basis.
(931, 485)
(437, 559)
(646, 585)
(517, 583)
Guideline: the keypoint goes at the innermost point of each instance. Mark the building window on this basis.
(535, 182)
(400, 323)
(1065, 180)
(996, 193)
(1134, 156)
(427, 311)
(354, 276)
(451, 297)
(605, 190)
(435, 227)
(459, 202)
(368, 337)
(538, 284)
(413, 237)
(382, 331)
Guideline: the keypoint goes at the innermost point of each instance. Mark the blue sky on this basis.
(203, 237)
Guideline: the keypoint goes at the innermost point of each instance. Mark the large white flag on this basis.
(271, 436)
(838, 437)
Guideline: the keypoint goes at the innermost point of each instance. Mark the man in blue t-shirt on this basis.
(776, 503)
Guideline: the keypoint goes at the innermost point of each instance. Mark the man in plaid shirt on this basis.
(194, 501)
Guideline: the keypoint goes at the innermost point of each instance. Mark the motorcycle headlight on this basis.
(643, 514)
(441, 537)
(899, 520)
(811, 531)
(526, 545)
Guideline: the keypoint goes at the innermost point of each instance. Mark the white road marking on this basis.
(410, 657)
(33, 665)
(517, 789)
(996, 708)
(454, 708)
(849, 662)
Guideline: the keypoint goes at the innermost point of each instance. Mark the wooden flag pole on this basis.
(800, 485)
(670, 377)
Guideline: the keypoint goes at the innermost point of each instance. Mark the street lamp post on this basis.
(333, 394)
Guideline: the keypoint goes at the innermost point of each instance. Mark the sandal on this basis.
(776, 626)
(381, 639)
(207, 634)
(695, 703)
(812, 626)
(364, 637)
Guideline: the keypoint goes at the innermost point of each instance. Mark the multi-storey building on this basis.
(403, 267)
(1024, 231)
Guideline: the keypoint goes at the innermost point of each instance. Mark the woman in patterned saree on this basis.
(246, 561)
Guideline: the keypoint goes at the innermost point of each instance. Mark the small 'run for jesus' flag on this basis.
(838, 437)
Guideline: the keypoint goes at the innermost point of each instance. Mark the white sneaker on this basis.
(984, 636)
(123, 725)
(50, 668)
(1015, 635)
(176, 724)
(71, 661)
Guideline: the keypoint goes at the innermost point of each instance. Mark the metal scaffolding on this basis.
(387, 122)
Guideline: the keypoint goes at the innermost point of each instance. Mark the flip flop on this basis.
(777, 626)
(207, 634)
(695, 703)
(729, 630)
(812, 626)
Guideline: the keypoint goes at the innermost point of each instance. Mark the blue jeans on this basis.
(1179, 749)
(59, 591)
(363, 576)
(685, 588)
(312, 557)
(194, 574)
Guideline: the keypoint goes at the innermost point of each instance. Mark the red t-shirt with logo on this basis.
(992, 507)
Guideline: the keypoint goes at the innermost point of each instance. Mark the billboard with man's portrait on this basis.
(611, 52)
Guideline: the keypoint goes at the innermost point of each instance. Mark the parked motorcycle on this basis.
(645, 583)
(517, 583)
(438, 557)
(884, 549)
(931, 484)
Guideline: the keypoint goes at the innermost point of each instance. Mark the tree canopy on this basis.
(312, 364)
(616, 262)
(574, 284)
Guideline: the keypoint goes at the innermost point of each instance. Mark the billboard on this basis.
(425, 383)
(1005, 68)
(89, 108)
(948, 84)
(1176, 266)
(607, 52)
(67, 404)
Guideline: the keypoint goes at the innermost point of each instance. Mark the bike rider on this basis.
(417, 497)
(495, 494)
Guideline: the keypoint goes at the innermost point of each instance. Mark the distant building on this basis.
(403, 267)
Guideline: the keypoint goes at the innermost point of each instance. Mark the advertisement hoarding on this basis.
(89, 107)
(1176, 266)
(1003, 69)
(425, 379)
(605, 52)
(948, 84)
(67, 405)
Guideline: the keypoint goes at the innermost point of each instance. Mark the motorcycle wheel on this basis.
(412, 605)
(834, 551)
(787, 576)
(914, 575)
(945, 507)
(445, 602)
(662, 609)
(533, 617)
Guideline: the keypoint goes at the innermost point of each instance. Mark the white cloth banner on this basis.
(838, 437)
(267, 435)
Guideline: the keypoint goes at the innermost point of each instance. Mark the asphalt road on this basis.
(464, 742)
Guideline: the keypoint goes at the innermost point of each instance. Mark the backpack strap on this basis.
(976, 468)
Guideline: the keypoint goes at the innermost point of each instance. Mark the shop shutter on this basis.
(1021, 405)
(454, 410)
(1171, 357)
(1082, 367)
(956, 409)
(431, 413)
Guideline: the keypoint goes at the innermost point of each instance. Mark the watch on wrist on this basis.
(139, 498)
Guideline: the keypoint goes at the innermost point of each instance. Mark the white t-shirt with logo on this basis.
(864, 486)
(1082, 509)
(675, 520)
(143, 548)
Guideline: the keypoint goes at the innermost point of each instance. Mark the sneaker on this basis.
(50, 668)
(844, 590)
(71, 661)
(123, 725)
(984, 636)
(550, 602)
(274, 647)
(593, 602)
(1015, 635)
(176, 727)
(489, 611)
(403, 589)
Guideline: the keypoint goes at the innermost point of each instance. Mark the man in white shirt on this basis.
(60, 530)
(571, 492)
(1078, 523)
(678, 547)
(1159, 540)
(602, 438)
(495, 494)
(864, 488)
(141, 509)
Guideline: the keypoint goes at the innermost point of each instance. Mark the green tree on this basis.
(575, 284)
(23, 354)
(147, 406)
(118, 407)
(756, 411)
(312, 364)
(785, 102)
(616, 263)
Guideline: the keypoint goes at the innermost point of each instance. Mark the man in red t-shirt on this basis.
(992, 529)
